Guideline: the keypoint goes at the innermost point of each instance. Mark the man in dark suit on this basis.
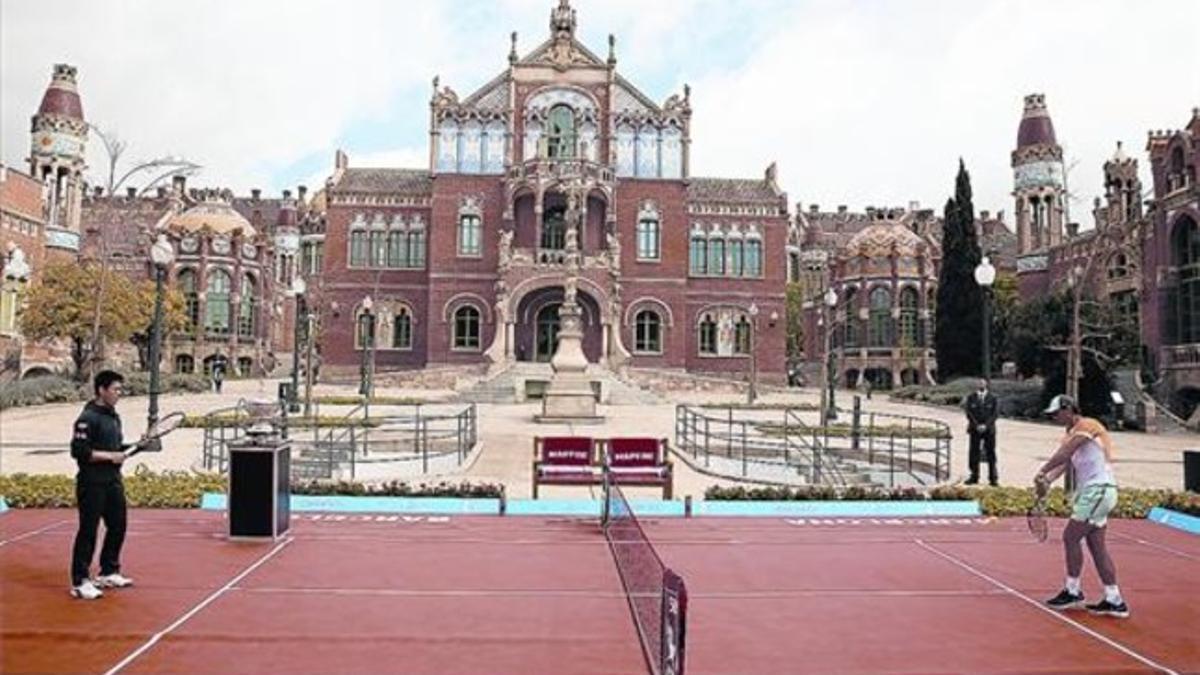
(982, 410)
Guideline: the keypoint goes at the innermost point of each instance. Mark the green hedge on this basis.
(182, 489)
(999, 501)
(56, 389)
(1016, 398)
(845, 430)
(806, 407)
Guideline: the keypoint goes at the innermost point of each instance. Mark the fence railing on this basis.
(778, 444)
(417, 440)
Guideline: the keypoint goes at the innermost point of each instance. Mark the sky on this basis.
(862, 103)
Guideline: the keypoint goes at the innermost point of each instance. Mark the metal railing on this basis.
(777, 444)
(416, 441)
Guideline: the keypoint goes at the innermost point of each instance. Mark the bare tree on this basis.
(162, 170)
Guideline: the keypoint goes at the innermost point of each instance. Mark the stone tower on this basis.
(1037, 179)
(1122, 190)
(56, 156)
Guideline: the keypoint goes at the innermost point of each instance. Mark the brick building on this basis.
(464, 260)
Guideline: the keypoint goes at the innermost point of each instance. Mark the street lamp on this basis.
(368, 337)
(985, 275)
(162, 254)
(831, 300)
(752, 394)
(298, 290)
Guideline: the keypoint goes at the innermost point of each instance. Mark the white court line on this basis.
(33, 533)
(193, 611)
(1054, 613)
(536, 592)
(1165, 549)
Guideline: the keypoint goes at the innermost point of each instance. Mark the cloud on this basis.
(864, 103)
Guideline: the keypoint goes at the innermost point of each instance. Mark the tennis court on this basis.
(483, 594)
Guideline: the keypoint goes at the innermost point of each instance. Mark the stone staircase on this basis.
(522, 382)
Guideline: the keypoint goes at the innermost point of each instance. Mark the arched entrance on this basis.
(537, 325)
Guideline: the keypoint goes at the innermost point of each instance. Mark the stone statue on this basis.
(506, 249)
(614, 250)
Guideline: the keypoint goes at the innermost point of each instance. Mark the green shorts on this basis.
(1093, 503)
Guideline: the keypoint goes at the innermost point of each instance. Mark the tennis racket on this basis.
(1035, 518)
(151, 440)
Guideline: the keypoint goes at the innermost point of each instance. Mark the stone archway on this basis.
(535, 325)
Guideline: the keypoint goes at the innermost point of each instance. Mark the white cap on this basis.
(1059, 402)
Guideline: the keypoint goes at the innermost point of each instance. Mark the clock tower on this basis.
(1037, 179)
(56, 157)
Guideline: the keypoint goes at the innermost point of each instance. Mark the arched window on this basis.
(416, 248)
(754, 257)
(560, 136)
(742, 336)
(851, 335)
(378, 243)
(554, 229)
(466, 328)
(246, 307)
(1118, 266)
(358, 245)
(647, 152)
(716, 256)
(648, 237)
(647, 332)
(364, 329)
(737, 260)
(1185, 254)
(878, 333)
(448, 147)
(402, 329)
(708, 335)
(216, 309)
(184, 363)
(397, 248)
(470, 235)
(909, 335)
(699, 255)
(793, 267)
(191, 298)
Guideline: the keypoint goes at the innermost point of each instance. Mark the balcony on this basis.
(564, 169)
(1181, 356)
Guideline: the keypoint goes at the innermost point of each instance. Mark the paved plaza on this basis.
(34, 440)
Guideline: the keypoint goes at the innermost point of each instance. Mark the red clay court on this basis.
(479, 594)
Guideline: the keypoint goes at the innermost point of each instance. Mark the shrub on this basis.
(377, 400)
(56, 389)
(182, 489)
(993, 501)
(227, 420)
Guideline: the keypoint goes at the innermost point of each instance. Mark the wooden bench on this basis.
(565, 460)
(639, 462)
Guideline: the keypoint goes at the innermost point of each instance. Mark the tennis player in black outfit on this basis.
(98, 448)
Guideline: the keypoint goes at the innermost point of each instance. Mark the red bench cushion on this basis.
(625, 453)
(573, 451)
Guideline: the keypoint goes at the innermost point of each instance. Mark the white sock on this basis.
(1113, 594)
(1073, 586)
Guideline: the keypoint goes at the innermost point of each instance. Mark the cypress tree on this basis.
(958, 337)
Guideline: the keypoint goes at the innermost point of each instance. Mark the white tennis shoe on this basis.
(115, 580)
(86, 591)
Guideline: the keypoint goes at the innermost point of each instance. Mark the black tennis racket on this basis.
(151, 440)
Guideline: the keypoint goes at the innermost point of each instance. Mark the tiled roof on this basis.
(730, 190)
(384, 181)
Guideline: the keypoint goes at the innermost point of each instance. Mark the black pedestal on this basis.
(1191, 470)
(259, 473)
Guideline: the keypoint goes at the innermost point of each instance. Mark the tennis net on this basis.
(657, 595)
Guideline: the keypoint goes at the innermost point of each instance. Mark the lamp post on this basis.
(752, 394)
(301, 319)
(162, 254)
(985, 276)
(829, 412)
(367, 332)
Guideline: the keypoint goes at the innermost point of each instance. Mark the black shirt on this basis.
(97, 429)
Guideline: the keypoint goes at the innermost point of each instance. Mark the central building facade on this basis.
(463, 262)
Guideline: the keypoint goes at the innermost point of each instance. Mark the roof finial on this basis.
(512, 53)
(562, 20)
(612, 49)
